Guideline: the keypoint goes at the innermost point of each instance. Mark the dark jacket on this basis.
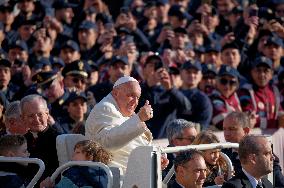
(101, 90)
(164, 104)
(81, 176)
(174, 185)
(14, 175)
(242, 181)
(44, 148)
(277, 171)
(201, 107)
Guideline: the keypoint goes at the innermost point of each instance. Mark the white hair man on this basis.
(41, 138)
(115, 125)
(13, 121)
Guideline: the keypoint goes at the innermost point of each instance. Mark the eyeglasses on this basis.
(280, 11)
(225, 81)
(77, 80)
(190, 138)
(209, 77)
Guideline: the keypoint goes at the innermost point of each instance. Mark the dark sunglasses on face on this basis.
(191, 138)
(225, 81)
(209, 77)
(77, 80)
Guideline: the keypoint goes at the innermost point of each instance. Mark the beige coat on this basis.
(118, 134)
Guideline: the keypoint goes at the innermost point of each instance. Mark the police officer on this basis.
(50, 85)
(76, 105)
(76, 75)
(7, 18)
(212, 54)
(69, 51)
(8, 88)
(225, 99)
(87, 37)
(64, 14)
(273, 49)
(201, 112)
(118, 67)
(208, 81)
(260, 97)
(164, 98)
(18, 50)
(230, 55)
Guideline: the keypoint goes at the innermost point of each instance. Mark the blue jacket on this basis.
(83, 176)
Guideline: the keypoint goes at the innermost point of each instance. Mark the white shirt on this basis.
(118, 134)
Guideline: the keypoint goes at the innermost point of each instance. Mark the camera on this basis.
(253, 12)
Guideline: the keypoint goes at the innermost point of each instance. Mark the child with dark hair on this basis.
(14, 175)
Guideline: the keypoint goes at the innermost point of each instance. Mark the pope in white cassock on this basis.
(114, 124)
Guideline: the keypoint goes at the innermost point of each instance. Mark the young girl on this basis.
(79, 176)
(216, 165)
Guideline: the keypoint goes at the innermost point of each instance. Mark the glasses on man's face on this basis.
(280, 11)
(225, 81)
(190, 138)
(209, 77)
(77, 80)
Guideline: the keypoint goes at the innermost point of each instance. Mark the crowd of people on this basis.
(125, 73)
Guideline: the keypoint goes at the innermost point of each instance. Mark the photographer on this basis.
(126, 19)
(158, 89)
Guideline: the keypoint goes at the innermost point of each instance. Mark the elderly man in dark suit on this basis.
(256, 158)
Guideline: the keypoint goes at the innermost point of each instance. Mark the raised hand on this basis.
(146, 112)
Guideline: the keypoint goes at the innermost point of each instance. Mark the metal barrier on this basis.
(200, 148)
(37, 161)
(60, 169)
(144, 164)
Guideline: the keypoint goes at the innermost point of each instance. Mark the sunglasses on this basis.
(209, 77)
(225, 81)
(77, 80)
(191, 138)
(279, 11)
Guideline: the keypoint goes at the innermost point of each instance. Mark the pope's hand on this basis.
(146, 112)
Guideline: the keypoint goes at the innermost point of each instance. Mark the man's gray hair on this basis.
(249, 145)
(241, 117)
(30, 98)
(175, 128)
(185, 156)
(13, 110)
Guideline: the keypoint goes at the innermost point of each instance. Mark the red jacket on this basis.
(264, 101)
(222, 106)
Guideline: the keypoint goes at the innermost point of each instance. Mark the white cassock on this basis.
(118, 134)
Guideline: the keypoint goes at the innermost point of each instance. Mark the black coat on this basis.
(277, 171)
(174, 185)
(44, 148)
(164, 103)
(242, 181)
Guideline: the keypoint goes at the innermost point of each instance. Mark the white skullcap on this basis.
(123, 80)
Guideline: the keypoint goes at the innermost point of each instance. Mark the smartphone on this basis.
(158, 65)
(206, 1)
(124, 10)
(253, 12)
(49, 12)
(199, 17)
(168, 26)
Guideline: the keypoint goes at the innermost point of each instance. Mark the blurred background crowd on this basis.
(196, 60)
